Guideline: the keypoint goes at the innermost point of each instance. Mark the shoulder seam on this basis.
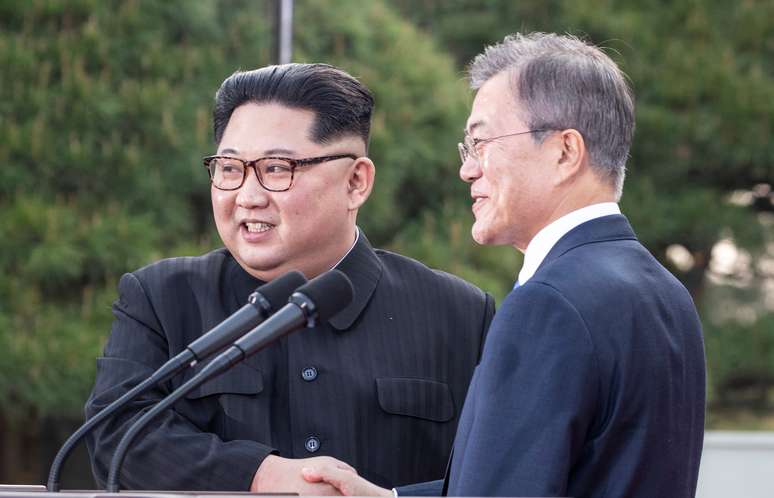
(150, 304)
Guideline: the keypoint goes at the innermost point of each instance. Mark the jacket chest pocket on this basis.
(412, 397)
(239, 379)
(229, 404)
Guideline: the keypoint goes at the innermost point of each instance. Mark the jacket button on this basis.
(312, 444)
(309, 374)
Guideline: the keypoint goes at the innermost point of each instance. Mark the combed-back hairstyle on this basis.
(342, 105)
(563, 82)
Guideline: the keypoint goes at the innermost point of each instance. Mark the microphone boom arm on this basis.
(290, 318)
(179, 363)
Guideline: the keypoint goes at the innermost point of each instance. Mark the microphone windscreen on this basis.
(279, 290)
(330, 292)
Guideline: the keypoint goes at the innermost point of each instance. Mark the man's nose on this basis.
(470, 170)
(251, 193)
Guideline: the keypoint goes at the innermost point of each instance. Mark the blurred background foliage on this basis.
(105, 113)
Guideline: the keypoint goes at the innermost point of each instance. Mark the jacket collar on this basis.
(604, 229)
(364, 269)
(361, 265)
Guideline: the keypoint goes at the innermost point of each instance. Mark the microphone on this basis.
(260, 304)
(315, 302)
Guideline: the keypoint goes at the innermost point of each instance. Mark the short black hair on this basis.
(342, 105)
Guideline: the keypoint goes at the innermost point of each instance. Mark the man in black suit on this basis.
(591, 383)
(380, 386)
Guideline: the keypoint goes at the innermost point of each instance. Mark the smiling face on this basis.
(512, 181)
(307, 228)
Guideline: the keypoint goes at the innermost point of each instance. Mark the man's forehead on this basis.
(348, 144)
(493, 106)
(267, 152)
(480, 112)
(274, 129)
(484, 113)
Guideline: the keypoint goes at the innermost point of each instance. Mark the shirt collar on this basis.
(549, 235)
(357, 236)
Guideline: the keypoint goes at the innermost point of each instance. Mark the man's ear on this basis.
(360, 181)
(572, 155)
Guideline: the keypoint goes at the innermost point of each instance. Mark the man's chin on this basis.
(481, 235)
(261, 267)
(487, 237)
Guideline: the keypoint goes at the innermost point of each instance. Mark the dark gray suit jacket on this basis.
(591, 383)
(380, 386)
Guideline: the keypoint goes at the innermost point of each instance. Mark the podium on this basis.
(34, 491)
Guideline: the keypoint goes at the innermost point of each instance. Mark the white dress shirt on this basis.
(542, 243)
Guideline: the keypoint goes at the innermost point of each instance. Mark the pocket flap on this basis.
(239, 379)
(422, 398)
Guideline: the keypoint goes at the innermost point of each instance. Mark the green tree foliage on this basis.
(105, 113)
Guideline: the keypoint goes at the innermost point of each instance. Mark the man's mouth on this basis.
(478, 203)
(257, 226)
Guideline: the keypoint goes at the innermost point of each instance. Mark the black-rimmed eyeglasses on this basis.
(275, 174)
(469, 145)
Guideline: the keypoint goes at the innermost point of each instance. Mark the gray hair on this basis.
(563, 82)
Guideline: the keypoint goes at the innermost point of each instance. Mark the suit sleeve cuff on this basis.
(242, 462)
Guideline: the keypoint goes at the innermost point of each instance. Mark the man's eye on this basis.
(277, 168)
(230, 168)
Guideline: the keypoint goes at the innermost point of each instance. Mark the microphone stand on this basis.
(260, 304)
(166, 372)
(290, 317)
(319, 299)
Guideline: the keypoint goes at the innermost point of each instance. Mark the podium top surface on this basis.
(35, 491)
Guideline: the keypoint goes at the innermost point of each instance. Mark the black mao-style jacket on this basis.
(380, 386)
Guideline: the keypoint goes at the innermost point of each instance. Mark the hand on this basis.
(283, 475)
(346, 482)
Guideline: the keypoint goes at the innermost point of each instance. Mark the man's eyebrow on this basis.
(270, 152)
(472, 127)
(274, 152)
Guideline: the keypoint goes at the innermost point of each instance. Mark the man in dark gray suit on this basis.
(591, 383)
(380, 386)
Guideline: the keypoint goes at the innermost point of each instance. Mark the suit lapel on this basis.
(445, 489)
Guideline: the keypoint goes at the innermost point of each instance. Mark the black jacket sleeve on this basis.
(173, 453)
